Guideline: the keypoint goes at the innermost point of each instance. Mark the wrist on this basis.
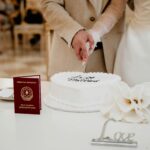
(95, 35)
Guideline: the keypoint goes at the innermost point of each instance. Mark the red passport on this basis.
(27, 94)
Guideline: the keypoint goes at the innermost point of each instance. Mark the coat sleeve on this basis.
(58, 19)
(109, 18)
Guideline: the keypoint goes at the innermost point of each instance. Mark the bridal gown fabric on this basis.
(133, 56)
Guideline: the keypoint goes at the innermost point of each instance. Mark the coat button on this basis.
(92, 18)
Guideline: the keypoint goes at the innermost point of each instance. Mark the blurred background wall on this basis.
(22, 43)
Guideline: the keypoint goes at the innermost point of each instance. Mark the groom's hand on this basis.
(79, 44)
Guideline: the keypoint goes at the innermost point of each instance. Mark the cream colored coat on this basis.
(65, 23)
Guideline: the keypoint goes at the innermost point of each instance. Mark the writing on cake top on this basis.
(80, 78)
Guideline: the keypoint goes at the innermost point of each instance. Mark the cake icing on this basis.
(80, 91)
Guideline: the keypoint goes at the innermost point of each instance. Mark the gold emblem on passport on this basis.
(26, 93)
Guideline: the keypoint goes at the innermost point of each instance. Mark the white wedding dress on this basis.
(133, 56)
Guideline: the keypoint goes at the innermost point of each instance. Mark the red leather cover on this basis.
(27, 94)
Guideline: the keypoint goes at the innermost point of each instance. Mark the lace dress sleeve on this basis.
(109, 18)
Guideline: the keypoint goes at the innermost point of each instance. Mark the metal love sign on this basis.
(119, 139)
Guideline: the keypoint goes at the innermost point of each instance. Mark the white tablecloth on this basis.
(56, 130)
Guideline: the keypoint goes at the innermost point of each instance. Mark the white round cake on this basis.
(79, 92)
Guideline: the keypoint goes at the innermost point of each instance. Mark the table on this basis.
(56, 130)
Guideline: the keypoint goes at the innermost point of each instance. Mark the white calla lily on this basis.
(123, 97)
(129, 103)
